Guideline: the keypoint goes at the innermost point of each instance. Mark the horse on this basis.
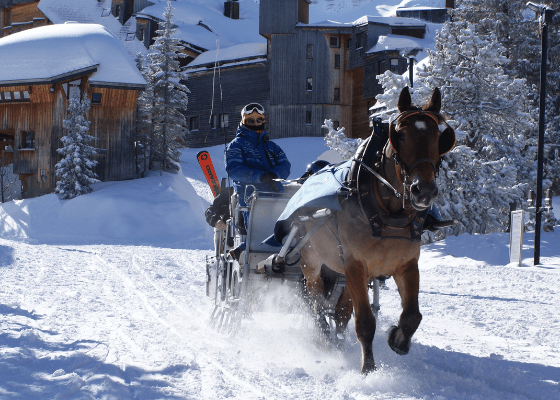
(377, 232)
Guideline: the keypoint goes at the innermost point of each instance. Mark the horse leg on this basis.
(315, 288)
(342, 314)
(356, 280)
(407, 280)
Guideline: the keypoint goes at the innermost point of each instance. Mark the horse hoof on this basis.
(368, 367)
(397, 342)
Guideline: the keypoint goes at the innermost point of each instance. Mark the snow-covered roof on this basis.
(93, 12)
(390, 21)
(191, 17)
(52, 52)
(232, 53)
(403, 44)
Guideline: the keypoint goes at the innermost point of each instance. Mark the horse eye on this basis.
(401, 137)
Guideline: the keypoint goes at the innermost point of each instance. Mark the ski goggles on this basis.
(253, 107)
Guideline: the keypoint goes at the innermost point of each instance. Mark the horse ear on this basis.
(446, 141)
(405, 102)
(435, 102)
(393, 139)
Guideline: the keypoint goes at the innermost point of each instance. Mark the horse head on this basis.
(418, 138)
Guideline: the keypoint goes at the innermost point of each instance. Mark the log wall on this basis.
(112, 124)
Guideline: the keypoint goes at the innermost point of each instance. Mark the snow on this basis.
(396, 42)
(92, 12)
(103, 296)
(347, 11)
(50, 51)
(229, 32)
(237, 52)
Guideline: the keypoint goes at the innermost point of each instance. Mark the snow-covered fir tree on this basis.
(169, 96)
(494, 162)
(144, 160)
(518, 30)
(75, 169)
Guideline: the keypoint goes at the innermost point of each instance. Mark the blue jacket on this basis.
(250, 155)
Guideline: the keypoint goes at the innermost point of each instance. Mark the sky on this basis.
(103, 297)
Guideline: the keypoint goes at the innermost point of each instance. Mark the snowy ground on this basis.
(102, 297)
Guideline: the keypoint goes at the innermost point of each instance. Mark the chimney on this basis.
(231, 9)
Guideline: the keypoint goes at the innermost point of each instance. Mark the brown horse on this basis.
(377, 232)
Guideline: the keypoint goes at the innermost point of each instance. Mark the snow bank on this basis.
(160, 211)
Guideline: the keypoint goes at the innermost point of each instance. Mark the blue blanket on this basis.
(320, 190)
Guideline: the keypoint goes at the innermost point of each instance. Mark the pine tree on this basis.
(144, 119)
(496, 126)
(75, 170)
(169, 96)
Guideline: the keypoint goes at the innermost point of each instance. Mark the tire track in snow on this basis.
(211, 371)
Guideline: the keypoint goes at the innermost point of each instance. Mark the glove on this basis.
(221, 225)
(267, 177)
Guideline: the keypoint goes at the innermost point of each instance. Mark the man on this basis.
(251, 158)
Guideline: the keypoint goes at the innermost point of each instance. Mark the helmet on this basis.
(314, 167)
(252, 116)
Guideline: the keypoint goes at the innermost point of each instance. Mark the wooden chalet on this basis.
(429, 14)
(41, 69)
(19, 15)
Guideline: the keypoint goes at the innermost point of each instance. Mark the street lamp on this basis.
(545, 17)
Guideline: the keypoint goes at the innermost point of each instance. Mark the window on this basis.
(96, 98)
(335, 41)
(75, 89)
(349, 43)
(19, 96)
(309, 51)
(309, 84)
(27, 140)
(395, 65)
(360, 39)
(214, 121)
(381, 67)
(193, 123)
(337, 61)
(308, 117)
(224, 121)
(336, 94)
(65, 88)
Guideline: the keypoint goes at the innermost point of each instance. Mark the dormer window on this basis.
(335, 41)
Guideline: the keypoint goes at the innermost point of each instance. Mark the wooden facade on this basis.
(311, 73)
(19, 15)
(31, 129)
(240, 85)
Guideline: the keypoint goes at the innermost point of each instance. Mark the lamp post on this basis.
(545, 17)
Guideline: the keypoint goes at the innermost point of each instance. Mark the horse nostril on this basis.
(424, 191)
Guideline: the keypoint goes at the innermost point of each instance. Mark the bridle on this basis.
(405, 170)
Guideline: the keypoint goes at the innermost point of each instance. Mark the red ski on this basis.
(208, 168)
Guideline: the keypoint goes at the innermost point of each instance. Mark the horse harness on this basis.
(364, 181)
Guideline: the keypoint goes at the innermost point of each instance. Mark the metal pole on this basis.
(540, 153)
(410, 71)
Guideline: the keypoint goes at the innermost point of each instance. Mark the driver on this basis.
(253, 159)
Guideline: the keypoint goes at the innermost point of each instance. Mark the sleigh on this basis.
(239, 288)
